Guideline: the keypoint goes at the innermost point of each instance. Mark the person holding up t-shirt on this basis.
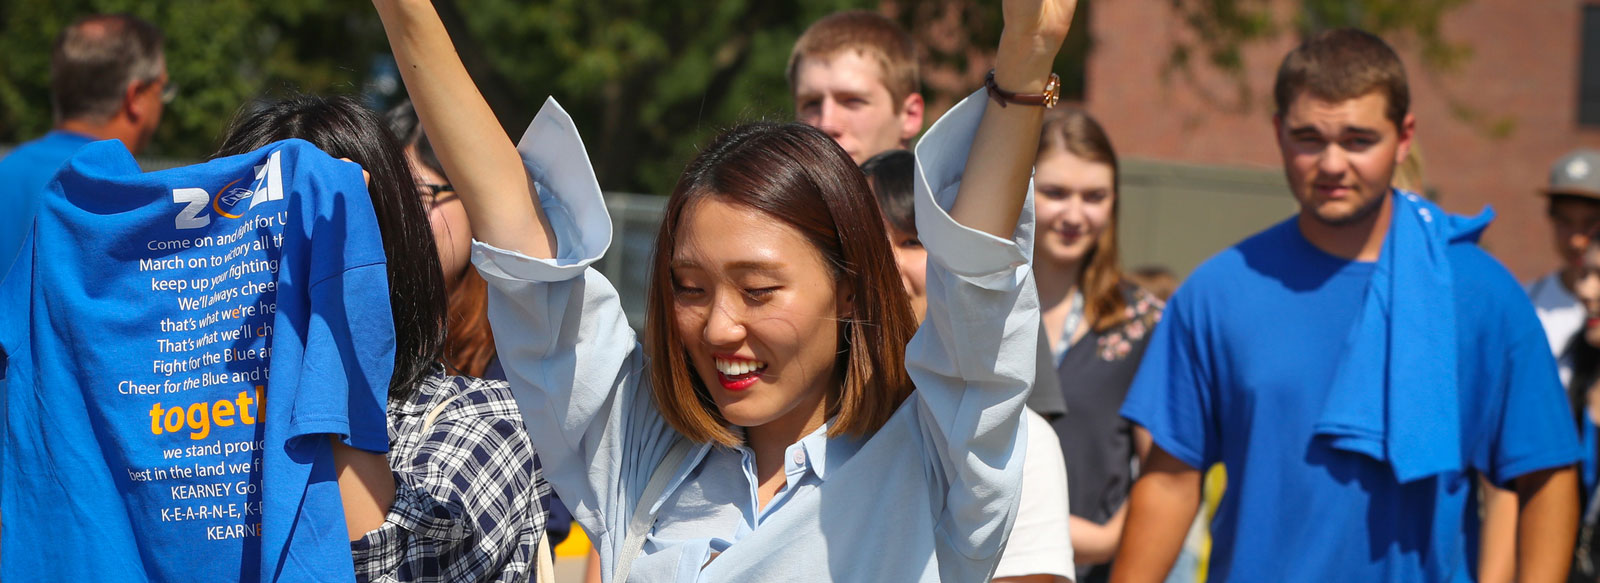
(457, 498)
(1355, 368)
(184, 350)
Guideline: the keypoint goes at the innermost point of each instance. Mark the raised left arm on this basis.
(995, 182)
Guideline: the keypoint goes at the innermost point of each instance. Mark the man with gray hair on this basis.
(108, 80)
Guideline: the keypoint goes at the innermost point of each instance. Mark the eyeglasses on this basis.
(434, 189)
(169, 90)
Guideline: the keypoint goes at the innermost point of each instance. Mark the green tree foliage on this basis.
(648, 82)
(222, 53)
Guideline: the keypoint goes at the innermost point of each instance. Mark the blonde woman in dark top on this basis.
(1097, 323)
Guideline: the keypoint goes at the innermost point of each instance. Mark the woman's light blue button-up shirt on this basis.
(929, 497)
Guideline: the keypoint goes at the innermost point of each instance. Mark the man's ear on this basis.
(1407, 131)
(911, 116)
(132, 107)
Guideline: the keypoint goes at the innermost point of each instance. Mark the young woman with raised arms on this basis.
(821, 441)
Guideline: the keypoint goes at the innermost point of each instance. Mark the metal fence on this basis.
(634, 219)
(146, 163)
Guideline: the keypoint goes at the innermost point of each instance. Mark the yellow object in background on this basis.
(576, 545)
(1215, 483)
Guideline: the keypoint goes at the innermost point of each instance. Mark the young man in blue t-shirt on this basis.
(1356, 368)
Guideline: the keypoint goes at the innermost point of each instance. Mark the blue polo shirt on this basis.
(23, 174)
(178, 348)
(1238, 371)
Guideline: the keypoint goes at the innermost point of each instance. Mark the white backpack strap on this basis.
(644, 517)
(436, 411)
(546, 566)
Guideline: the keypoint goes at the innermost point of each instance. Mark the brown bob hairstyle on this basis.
(798, 176)
(1075, 132)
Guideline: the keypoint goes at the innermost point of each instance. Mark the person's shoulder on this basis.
(1142, 303)
(462, 397)
(1548, 293)
(1475, 268)
(488, 398)
(1038, 426)
(1539, 284)
(1230, 275)
(1487, 293)
(1043, 449)
(1140, 315)
(1225, 267)
(43, 154)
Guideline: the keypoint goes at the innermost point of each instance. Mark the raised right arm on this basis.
(572, 361)
(476, 153)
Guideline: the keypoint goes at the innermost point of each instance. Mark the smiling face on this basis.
(758, 313)
(1340, 156)
(1073, 198)
(844, 96)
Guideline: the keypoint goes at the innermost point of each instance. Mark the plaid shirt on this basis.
(467, 491)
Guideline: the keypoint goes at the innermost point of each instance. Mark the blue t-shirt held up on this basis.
(178, 347)
(1238, 372)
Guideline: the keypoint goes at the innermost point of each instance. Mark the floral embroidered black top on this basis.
(1095, 374)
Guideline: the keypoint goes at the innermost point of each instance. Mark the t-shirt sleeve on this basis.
(1172, 394)
(1536, 427)
(349, 343)
(1041, 543)
(349, 335)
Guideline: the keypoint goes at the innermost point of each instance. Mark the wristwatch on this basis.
(1048, 99)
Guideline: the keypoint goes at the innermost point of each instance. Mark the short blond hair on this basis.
(875, 36)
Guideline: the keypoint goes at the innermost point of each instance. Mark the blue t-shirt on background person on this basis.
(1238, 373)
(178, 346)
(23, 175)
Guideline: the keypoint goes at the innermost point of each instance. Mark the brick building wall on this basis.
(1524, 67)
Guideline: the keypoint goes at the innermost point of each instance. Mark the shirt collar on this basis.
(425, 394)
(69, 135)
(813, 450)
(810, 453)
(821, 452)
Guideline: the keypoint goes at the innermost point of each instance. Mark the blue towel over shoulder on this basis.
(1394, 396)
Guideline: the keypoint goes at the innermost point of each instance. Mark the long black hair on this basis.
(344, 128)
